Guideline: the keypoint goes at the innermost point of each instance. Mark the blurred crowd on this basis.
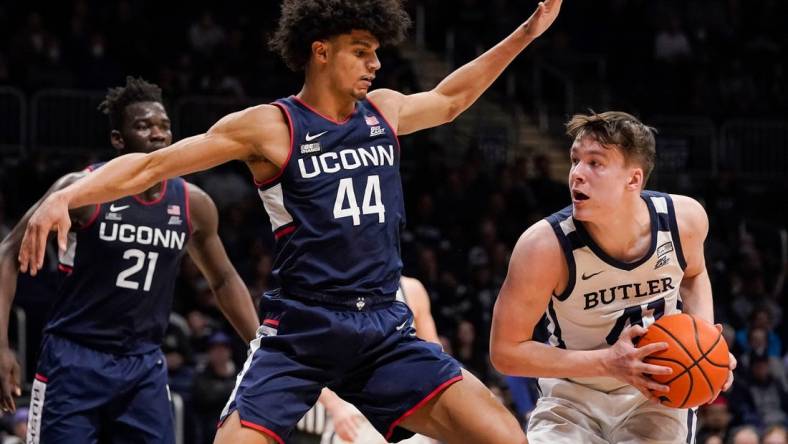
(465, 214)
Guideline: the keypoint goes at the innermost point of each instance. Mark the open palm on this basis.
(542, 18)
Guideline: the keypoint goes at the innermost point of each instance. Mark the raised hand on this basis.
(624, 362)
(52, 214)
(542, 18)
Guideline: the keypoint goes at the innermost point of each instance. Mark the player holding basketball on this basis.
(603, 268)
(327, 165)
(101, 375)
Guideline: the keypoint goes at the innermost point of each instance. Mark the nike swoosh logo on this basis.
(401, 326)
(113, 208)
(311, 138)
(586, 277)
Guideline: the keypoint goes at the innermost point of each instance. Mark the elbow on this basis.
(454, 110)
(500, 359)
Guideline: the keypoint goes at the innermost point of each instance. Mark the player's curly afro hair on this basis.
(118, 98)
(305, 21)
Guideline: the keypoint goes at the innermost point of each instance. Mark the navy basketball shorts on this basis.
(370, 358)
(81, 395)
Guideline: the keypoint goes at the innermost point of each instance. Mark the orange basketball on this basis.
(696, 352)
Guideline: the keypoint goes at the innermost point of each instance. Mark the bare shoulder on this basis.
(388, 102)
(256, 122)
(539, 240)
(690, 215)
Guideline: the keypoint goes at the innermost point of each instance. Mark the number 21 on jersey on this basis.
(372, 203)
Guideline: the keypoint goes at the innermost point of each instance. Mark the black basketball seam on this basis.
(702, 354)
(686, 369)
(713, 346)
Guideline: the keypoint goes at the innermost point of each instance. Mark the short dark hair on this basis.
(118, 98)
(634, 139)
(305, 21)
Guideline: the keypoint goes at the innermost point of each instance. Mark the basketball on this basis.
(696, 352)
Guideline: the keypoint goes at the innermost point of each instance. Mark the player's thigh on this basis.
(656, 424)
(559, 421)
(466, 412)
(144, 413)
(232, 432)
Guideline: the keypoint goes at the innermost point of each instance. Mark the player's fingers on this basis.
(728, 382)
(633, 331)
(650, 349)
(62, 236)
(732, 362)
(24, 252)
(650, 384)
(41, 246)
(651, 369)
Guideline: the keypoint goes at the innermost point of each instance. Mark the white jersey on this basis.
(604, 295)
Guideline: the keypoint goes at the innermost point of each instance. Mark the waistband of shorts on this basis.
(350, 303)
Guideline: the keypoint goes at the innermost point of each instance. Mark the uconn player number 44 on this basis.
(371, 204)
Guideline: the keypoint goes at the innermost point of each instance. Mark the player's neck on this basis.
(319, 94)
(151, 193)
(624, 234)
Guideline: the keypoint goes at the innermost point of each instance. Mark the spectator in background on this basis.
(213, 384)
(18, 427)
(771, 344)
(715, 419)
(671, 43)
(760, 399)
(775, 434)
(744, 435)
(205, 36)
(470, 352)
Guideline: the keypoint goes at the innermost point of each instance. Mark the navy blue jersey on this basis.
(336, 207)
(120, 270)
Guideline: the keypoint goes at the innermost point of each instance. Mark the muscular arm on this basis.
(695, 286)
(535, 270)
(206, 250)
(253, 133)
(8, 276)
(419, 303)
(462, 87)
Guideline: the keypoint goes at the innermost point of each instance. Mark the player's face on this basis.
(353, 62)
(598, 179)
(146, 128)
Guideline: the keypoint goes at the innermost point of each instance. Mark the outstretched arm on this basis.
(206, 250)
(9, 247)
(237, 136)
(463, 87)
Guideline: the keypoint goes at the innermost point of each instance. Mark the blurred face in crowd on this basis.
(146, 128)
(599, 178)
(716, 416)
(351, 61)
(745, 436)
(760, 371)
(758, 339)
(775, 435)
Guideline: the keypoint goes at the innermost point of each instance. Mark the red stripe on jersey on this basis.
(260, 428)
(41, 377)
(284, 231)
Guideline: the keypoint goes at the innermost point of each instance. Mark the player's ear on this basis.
(117, 140)
(320, 50)
(636, 179)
